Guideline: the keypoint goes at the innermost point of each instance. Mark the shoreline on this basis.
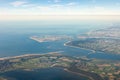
(89, 75)
(82, 75)
(37, 40)
(20, 56)
(92, 51)
(27, 55)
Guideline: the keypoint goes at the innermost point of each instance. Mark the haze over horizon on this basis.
(59, 7)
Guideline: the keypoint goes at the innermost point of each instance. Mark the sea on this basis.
(15, 40)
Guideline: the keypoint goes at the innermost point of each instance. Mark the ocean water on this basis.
(15, 37)
(13, 45)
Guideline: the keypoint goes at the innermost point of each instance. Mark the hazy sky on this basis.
(59, 7)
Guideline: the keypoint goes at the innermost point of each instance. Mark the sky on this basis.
(59, 7)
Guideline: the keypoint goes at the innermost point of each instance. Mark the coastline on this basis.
(37, 40)
(20, 56)
(27, 55)
(88, 75)
(92, 51)
(82, 75)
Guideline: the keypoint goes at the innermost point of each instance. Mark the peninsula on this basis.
(93, 69)
(49, 38)
(38, 61)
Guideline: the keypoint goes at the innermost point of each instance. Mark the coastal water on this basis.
(13, 45)
(42, 74)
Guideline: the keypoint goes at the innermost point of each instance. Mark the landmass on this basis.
(105, 40)
(109, 32)
(93, 69)
(98, 44)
